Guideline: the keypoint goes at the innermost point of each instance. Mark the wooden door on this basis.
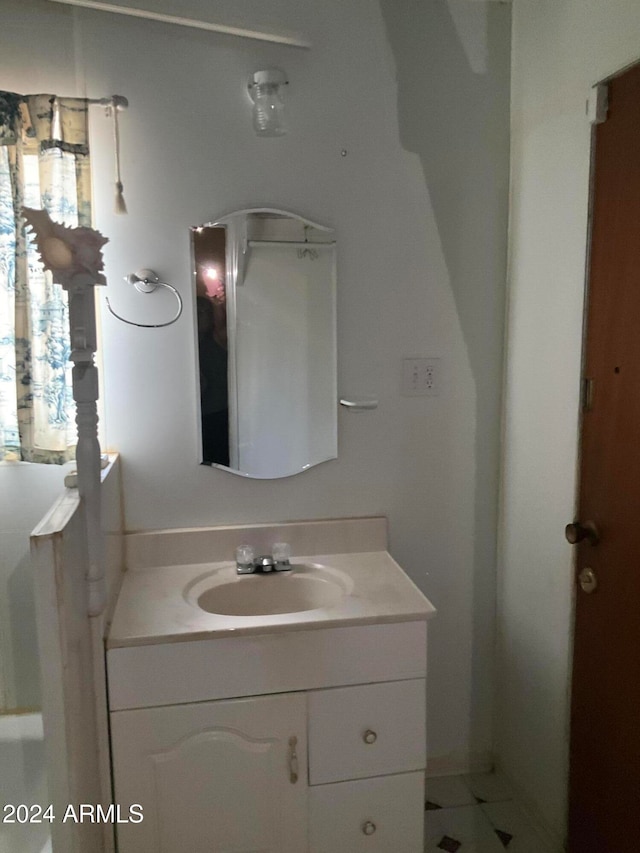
(604, 797)
(213, 777)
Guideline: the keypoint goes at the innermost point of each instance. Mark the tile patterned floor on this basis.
(477, 814)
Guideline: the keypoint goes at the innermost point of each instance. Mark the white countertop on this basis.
(154, 606)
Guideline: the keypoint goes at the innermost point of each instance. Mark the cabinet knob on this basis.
(369, 827)
(370, 736)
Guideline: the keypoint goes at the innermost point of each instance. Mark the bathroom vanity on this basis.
(280, 731)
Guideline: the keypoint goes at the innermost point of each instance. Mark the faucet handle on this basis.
(282, 556)
(244, 559)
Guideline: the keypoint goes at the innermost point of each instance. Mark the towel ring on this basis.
(146, 281)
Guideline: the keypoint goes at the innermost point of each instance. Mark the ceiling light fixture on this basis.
(266, 91)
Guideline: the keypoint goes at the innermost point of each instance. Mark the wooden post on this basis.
(74, 257)
(82, 323)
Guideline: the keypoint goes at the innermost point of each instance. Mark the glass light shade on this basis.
(266, 90)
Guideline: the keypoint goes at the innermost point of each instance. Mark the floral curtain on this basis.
(44, 163)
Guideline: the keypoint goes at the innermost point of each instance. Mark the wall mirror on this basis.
(265, 285)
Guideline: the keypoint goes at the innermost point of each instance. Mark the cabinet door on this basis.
(214, 777)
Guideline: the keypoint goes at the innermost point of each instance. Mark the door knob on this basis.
(577, 532)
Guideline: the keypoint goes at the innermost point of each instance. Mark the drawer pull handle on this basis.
(369, 736)
(369, 827)
(293, 760)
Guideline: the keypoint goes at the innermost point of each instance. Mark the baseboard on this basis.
(459, 764)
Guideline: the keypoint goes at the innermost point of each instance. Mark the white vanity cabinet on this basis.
(366, 768)
(214, 776)
(377, 815)
(214, 767)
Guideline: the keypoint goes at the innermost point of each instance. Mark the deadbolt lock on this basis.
(587, 580)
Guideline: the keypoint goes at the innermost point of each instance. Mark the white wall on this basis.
(26, 493)
(417, 94)
(559, 51)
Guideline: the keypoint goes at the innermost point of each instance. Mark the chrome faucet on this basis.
(264, 564)
(248, 564)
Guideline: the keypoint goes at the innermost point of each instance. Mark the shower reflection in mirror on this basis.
(266, 317)
(210, 271)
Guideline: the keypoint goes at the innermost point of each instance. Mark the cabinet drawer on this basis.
(357, 732)
(368, 816)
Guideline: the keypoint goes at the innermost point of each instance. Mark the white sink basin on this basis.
(305, 587)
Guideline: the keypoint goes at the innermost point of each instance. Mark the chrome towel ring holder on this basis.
(146, 281)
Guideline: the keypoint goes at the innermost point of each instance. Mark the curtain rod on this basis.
(306, 244)
(291, 41)
(118, 101)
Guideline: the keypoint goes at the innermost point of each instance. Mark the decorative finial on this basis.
(72, 255)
